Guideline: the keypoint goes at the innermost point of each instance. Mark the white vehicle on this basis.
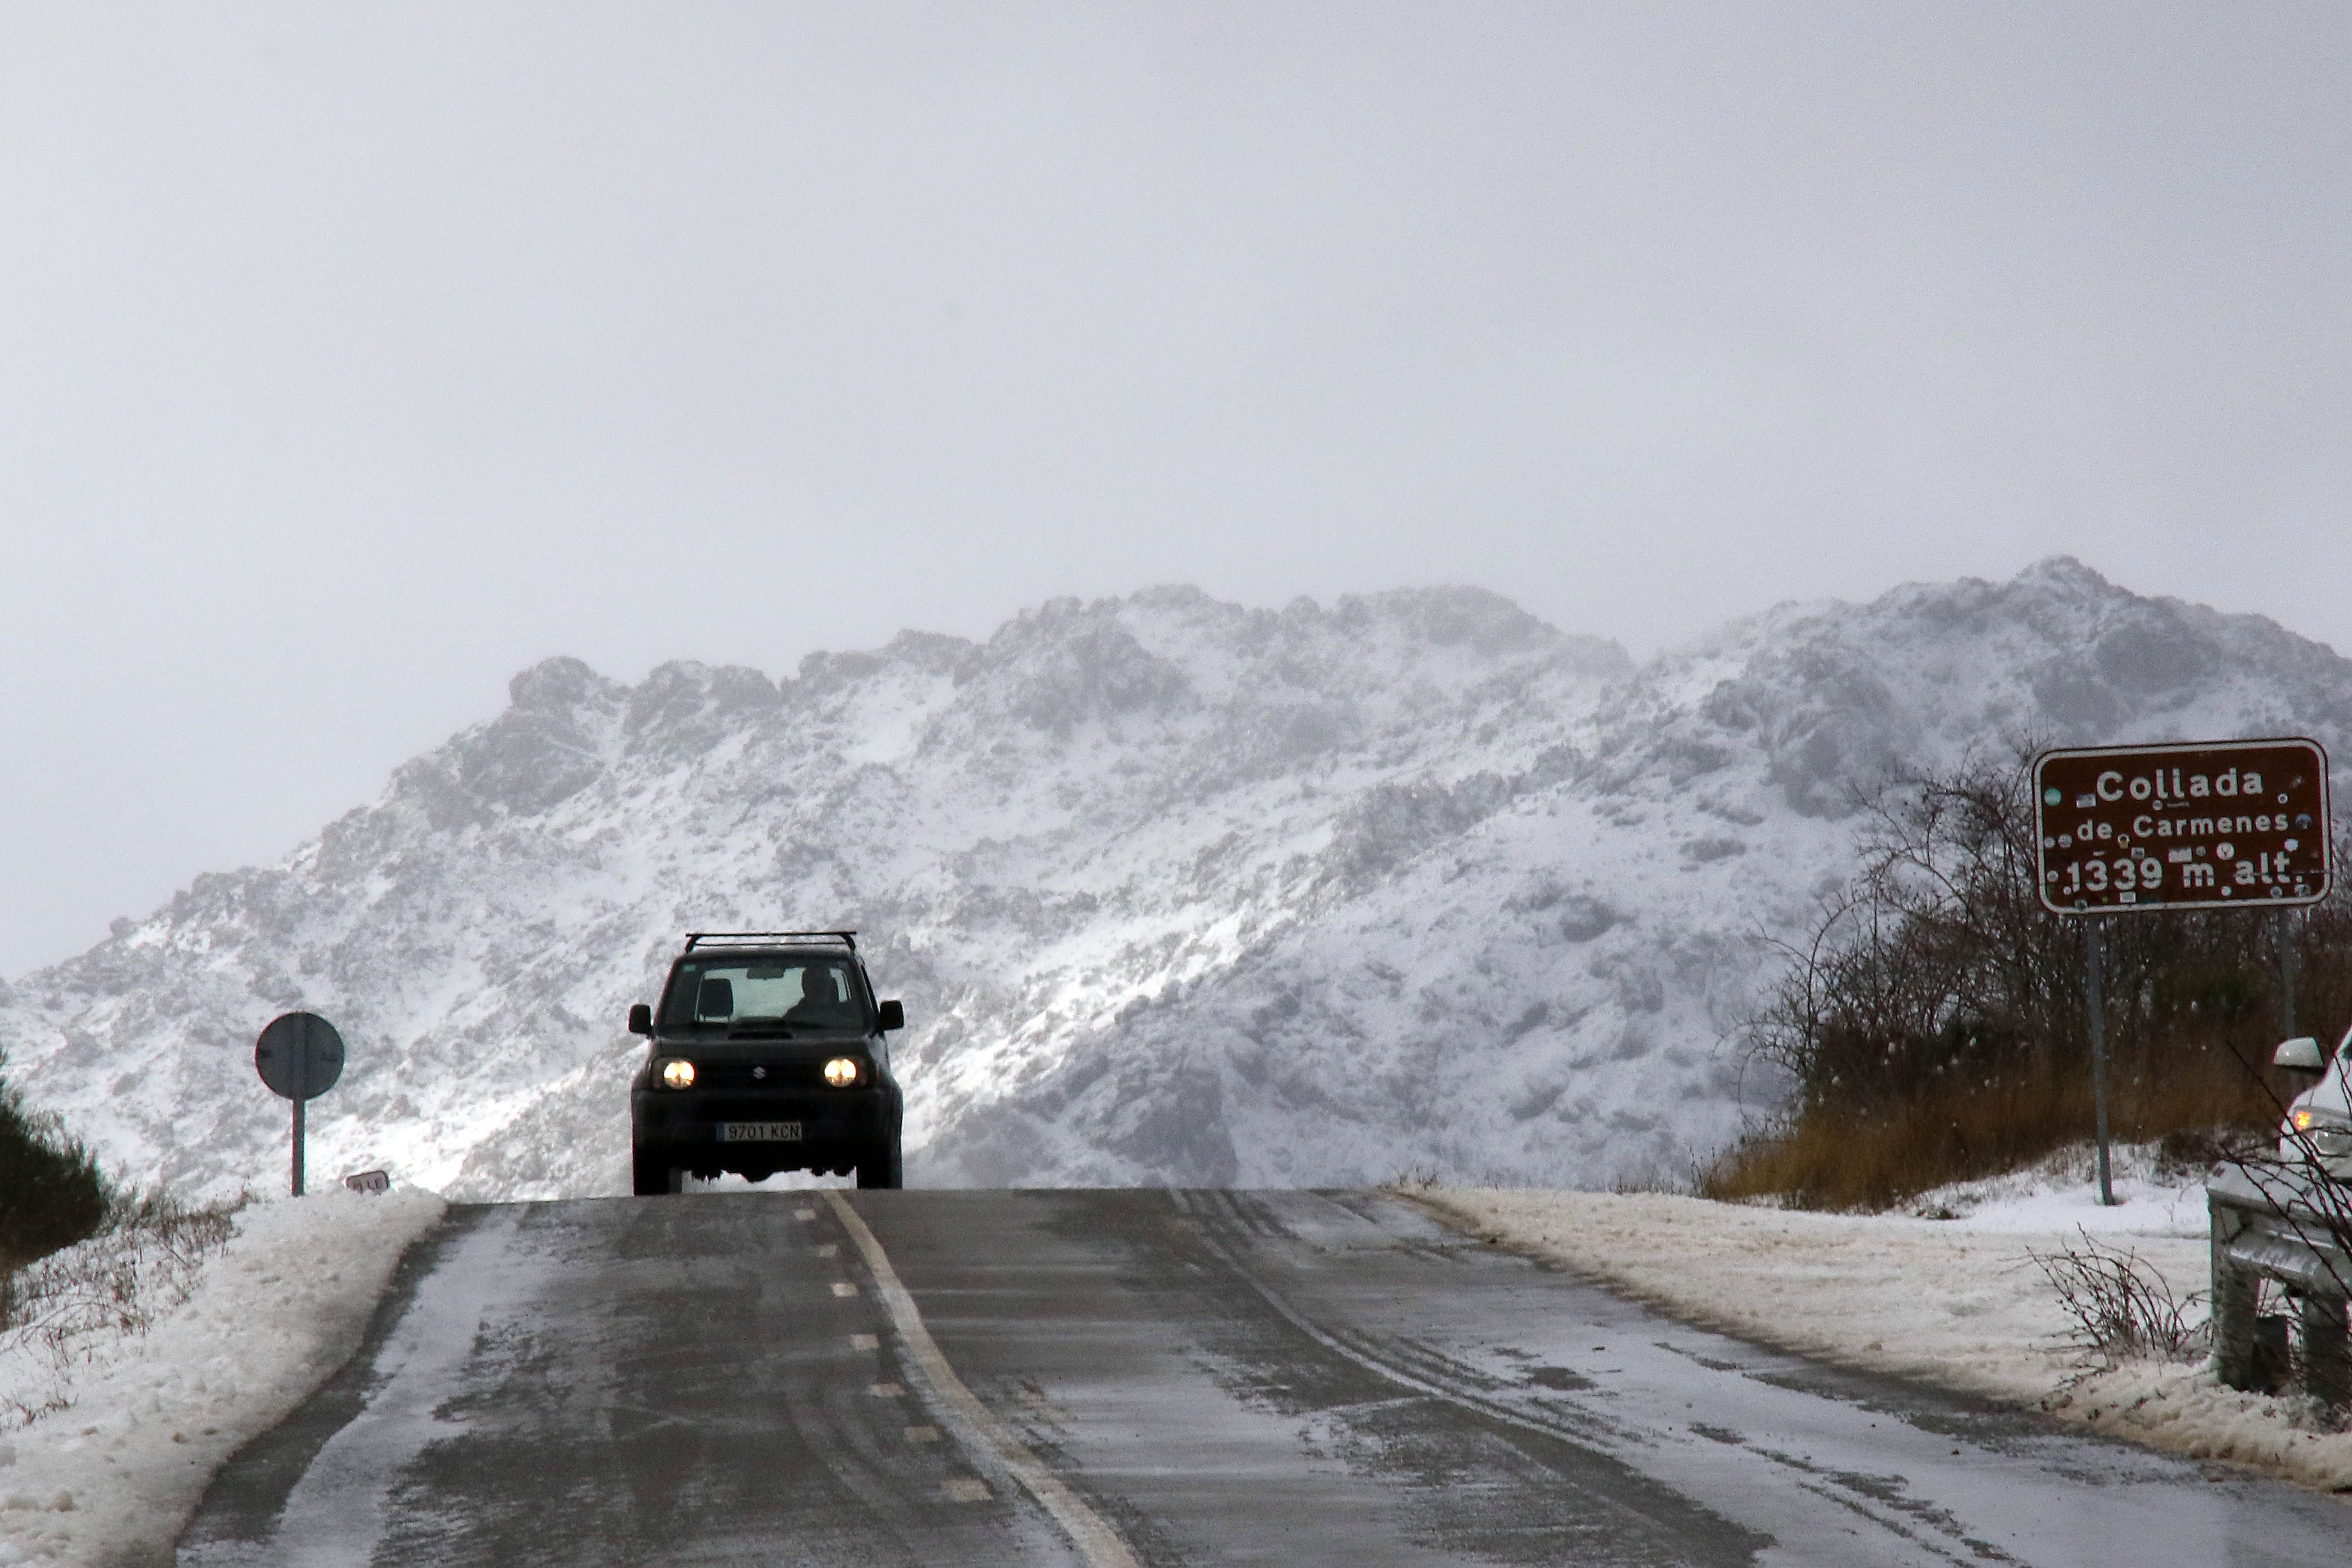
(2318, 1125)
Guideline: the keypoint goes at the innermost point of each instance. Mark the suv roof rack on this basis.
(695, 939)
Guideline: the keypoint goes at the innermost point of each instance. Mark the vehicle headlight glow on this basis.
(677, 1074)
(840, 1071)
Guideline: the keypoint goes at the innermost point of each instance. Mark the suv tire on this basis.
(651, 1176)
(882, 1165)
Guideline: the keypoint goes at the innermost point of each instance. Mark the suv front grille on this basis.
(738, 1076)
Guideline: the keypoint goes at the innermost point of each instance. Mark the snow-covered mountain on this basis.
(1174, 890)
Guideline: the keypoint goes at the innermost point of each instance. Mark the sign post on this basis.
(2216, 824)
(2098, 1058)
(2289, 961)
(299, 1055)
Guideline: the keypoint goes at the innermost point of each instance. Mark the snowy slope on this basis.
(1174, 890)
(113, 1435)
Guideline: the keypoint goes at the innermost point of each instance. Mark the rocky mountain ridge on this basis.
(1174, 890)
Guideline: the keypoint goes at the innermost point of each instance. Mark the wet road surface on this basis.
(1107, 1377)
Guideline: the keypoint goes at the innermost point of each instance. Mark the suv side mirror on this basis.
(641, 1019)
(893, 1016)
(2299, 1055)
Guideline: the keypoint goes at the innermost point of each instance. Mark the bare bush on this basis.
(2122, 1307)
(1655, 1175)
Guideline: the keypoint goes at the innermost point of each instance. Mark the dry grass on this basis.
(1872, 1156)
(141, 1263)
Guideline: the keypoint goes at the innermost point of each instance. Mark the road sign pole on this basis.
(299, 1055)
(2098, 1055)
(2208, 825)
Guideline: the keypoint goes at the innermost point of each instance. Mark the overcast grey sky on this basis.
(352, 358)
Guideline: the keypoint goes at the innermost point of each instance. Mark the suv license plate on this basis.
(759, 1132)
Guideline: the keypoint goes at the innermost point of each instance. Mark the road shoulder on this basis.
(1962, 1309)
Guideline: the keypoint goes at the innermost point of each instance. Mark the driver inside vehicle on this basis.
(821, 1005)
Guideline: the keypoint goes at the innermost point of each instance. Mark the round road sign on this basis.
(299, 1055)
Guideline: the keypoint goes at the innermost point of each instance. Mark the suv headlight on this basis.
(2321, 1132)
(841, 1071)
(678, 1073)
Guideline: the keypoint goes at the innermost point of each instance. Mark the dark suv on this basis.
(768, 1055)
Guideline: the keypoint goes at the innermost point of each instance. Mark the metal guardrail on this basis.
(2292, 1228)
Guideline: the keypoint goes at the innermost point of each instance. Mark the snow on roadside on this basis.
(1957, 1301)
(2061, 1194)
(110, 1478)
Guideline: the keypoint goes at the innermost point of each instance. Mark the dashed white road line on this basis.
(1088, 1530)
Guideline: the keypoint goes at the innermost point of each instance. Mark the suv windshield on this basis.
(791, 993)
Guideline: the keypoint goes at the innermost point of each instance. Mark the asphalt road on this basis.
(1140, 1377)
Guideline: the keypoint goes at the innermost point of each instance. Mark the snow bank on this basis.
(1957, 1302)
(109, 1478)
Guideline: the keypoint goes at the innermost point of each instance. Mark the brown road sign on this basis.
(2207, 826)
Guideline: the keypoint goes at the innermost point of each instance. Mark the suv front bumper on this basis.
(683, 1125)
